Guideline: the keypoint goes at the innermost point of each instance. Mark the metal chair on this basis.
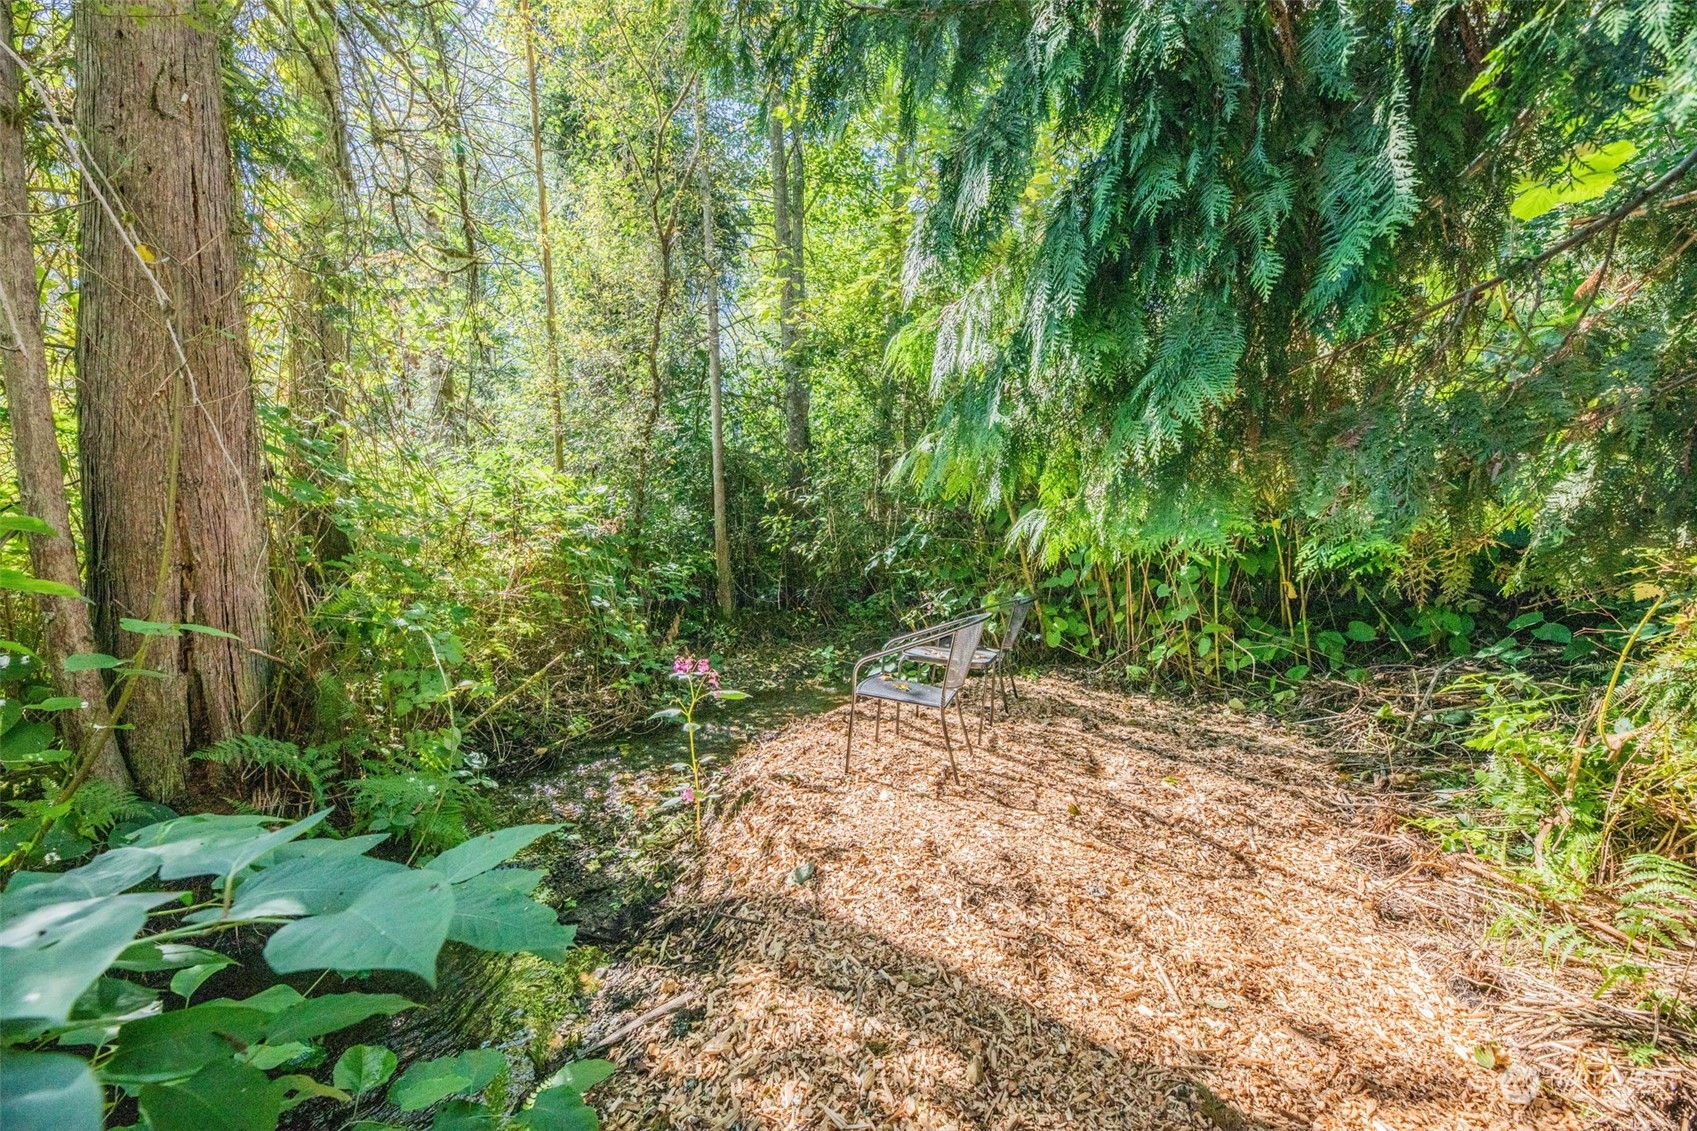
(986, 660)
(962, 636)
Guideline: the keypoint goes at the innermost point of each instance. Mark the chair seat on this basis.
(885, 686)
(937, 654)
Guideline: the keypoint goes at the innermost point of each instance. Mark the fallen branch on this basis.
(630, 1027)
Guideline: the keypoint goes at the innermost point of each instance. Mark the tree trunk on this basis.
(319, 325)
(66, 629)
(552, 325)
(715, 370)
(453, 120)
(172, 473)
(787, 188)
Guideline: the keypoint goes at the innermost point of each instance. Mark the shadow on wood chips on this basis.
(1126, 914)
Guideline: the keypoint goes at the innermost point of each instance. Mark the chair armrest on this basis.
(923, 636)
(947, 628)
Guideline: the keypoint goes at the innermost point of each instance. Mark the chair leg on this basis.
(878, 725)
(943, 717)
(853, 699)
(898, 720)
(966, 731)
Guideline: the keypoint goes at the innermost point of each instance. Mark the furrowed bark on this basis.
(150, 117)
(66, 628)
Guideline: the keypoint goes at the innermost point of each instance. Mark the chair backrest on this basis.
(1016, 621)
(961, 648)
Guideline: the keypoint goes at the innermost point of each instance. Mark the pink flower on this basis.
(681, 665)
(688, 795)
(703, 666)
(713, 680)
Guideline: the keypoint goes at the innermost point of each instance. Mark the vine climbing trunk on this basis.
(172, 475)
(715, 370)
(450, 110)
(552, 324)
(66, 628)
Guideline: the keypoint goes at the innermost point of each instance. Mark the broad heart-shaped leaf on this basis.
(481, 853)
(214, 845)
(493, 912)
(220, 1097)
(107, 874)
(48, 1091)
(431, 1080)
(307, 886)
(319, 1015)
(581, 1075)
(398, 923)
(363, 1068)
(174, 1045)
(52, 954)
(558, 1109)
(327, 846)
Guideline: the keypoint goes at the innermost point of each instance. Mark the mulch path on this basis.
(1126, 914)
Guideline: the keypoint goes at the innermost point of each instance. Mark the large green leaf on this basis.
(25, 739)
(308, 886)
(209, 844)
(220, 1097)
(48, 1091)
(26, 583)
(112, 1000)
(25, 524)
(481, 853)
(107, 874)
(363, 1068)
(493, 912)
(398, 923)
(431, 1080)
(581, 1075)
(319, 1015)
(558, 1109)
(186, 981)
(174, 1045)
(52, 954)
(328, 846)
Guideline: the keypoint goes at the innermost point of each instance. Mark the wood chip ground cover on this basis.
(1127, 914)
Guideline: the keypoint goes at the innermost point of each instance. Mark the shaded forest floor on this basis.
(1128, 913)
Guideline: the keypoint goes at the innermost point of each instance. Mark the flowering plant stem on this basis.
(701, 683)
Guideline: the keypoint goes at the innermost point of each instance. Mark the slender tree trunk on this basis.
(172, 473)
(319, 327)
(66, 629)
(453, 115)
(553, 321)
(787, 197)
(715, 369)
